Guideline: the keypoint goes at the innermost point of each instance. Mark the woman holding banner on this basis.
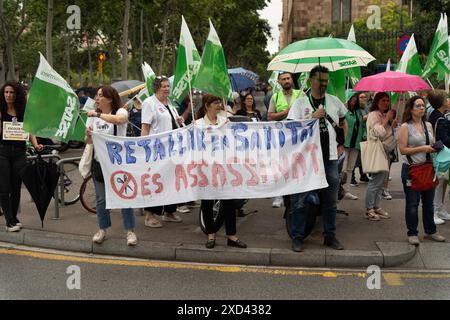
(109, 118)
(12, 152)
(248, 108)
(208, 117)
(159, 115)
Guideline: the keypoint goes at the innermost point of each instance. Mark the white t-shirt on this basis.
(206, 123)
(155, 113)
(302, 109)
(100, 125)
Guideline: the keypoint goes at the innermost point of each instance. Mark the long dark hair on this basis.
(243, 102)
(19, 102)
(111, 93)
(206, 100)
(356, 106)
(407, 115)
(376, 100)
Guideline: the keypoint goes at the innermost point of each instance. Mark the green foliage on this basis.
(242, 32)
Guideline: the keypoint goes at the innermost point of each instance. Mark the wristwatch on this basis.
(99, 114)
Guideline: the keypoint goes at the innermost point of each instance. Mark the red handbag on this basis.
(422, 176)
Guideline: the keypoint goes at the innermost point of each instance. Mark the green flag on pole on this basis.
(212, 76)
(353, 74)
(149, 76)
(337, 84)
(188, 57)
(410, 61)
(438, 58)
(273, 81)
(53, 108)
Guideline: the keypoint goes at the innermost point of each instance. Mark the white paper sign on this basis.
(13, 131)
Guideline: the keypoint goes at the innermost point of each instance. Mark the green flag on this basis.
(273, 81)
(303, 82)
(149, 76)
(53, 108)
(337, 84)
(353, 74)
(410, 61)
(212, 76)
(438, 58)
(188, 57)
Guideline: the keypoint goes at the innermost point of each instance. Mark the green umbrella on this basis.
(333, 53)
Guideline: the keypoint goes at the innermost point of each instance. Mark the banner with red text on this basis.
(235, 161)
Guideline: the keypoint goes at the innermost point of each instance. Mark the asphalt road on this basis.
(37, 275)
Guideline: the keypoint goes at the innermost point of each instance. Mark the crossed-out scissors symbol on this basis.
(123, 181)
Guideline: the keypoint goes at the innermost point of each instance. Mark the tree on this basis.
(49, 33)
(126, 23)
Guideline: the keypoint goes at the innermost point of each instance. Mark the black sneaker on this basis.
(297, 244)
(332, 242)
(364, 178)
(354, 183)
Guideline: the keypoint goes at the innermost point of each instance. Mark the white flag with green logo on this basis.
(149, 76)
(438, 58)
(188, 63)
(212, 76)
(53, 108)
(410, 61)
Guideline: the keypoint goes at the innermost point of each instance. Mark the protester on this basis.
(12, 153)
(135, 117)
(209, 117)
(441, 125)
(379, 126)
(109, 118)
(159, 115)
(317, 104)
(355, 134)
(248, 108)
(279, 107)
(416, 150)
(363, 101)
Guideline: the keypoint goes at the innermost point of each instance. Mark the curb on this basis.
(390, 254)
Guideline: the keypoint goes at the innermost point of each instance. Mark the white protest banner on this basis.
(235, 161)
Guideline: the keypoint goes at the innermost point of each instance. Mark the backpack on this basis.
(441, 162)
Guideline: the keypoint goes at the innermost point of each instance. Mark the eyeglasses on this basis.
(419, 106)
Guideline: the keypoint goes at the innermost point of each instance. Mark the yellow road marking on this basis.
(391, 278)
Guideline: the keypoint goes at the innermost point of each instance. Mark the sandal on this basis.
(382, 214)
(371, 215)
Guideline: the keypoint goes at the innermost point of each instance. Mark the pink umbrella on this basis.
(392, 81)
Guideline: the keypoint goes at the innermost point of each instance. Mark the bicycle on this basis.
(87, 194)
(70, 172)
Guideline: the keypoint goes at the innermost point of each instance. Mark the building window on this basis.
(341, 11)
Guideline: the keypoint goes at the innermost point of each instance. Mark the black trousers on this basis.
(12, 163)
(230, 216)
(161, 209)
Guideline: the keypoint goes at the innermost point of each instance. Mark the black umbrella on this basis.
(41, 178)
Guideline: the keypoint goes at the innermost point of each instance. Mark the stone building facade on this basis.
(300, 15)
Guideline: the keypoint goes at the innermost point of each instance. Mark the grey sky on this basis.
(273, 13)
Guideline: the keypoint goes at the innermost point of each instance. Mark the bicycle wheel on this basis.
(87, 195)
(218, 217)
(71, 178)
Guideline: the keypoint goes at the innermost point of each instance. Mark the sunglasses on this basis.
(161, 77)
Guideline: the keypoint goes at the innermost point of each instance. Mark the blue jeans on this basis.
(103, 214)
(328, 204)
(412, 207)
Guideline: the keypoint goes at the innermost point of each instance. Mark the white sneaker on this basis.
(15, 228)
(438, 220)
(277, 202)
(386, 195)
(444, 215)
(183, 209)
(350, 196)
(131, 238)
(171, 217)
(99, 237)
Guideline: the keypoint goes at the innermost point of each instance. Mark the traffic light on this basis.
(101, 59)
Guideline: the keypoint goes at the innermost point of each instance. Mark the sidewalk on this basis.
(381, 243)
